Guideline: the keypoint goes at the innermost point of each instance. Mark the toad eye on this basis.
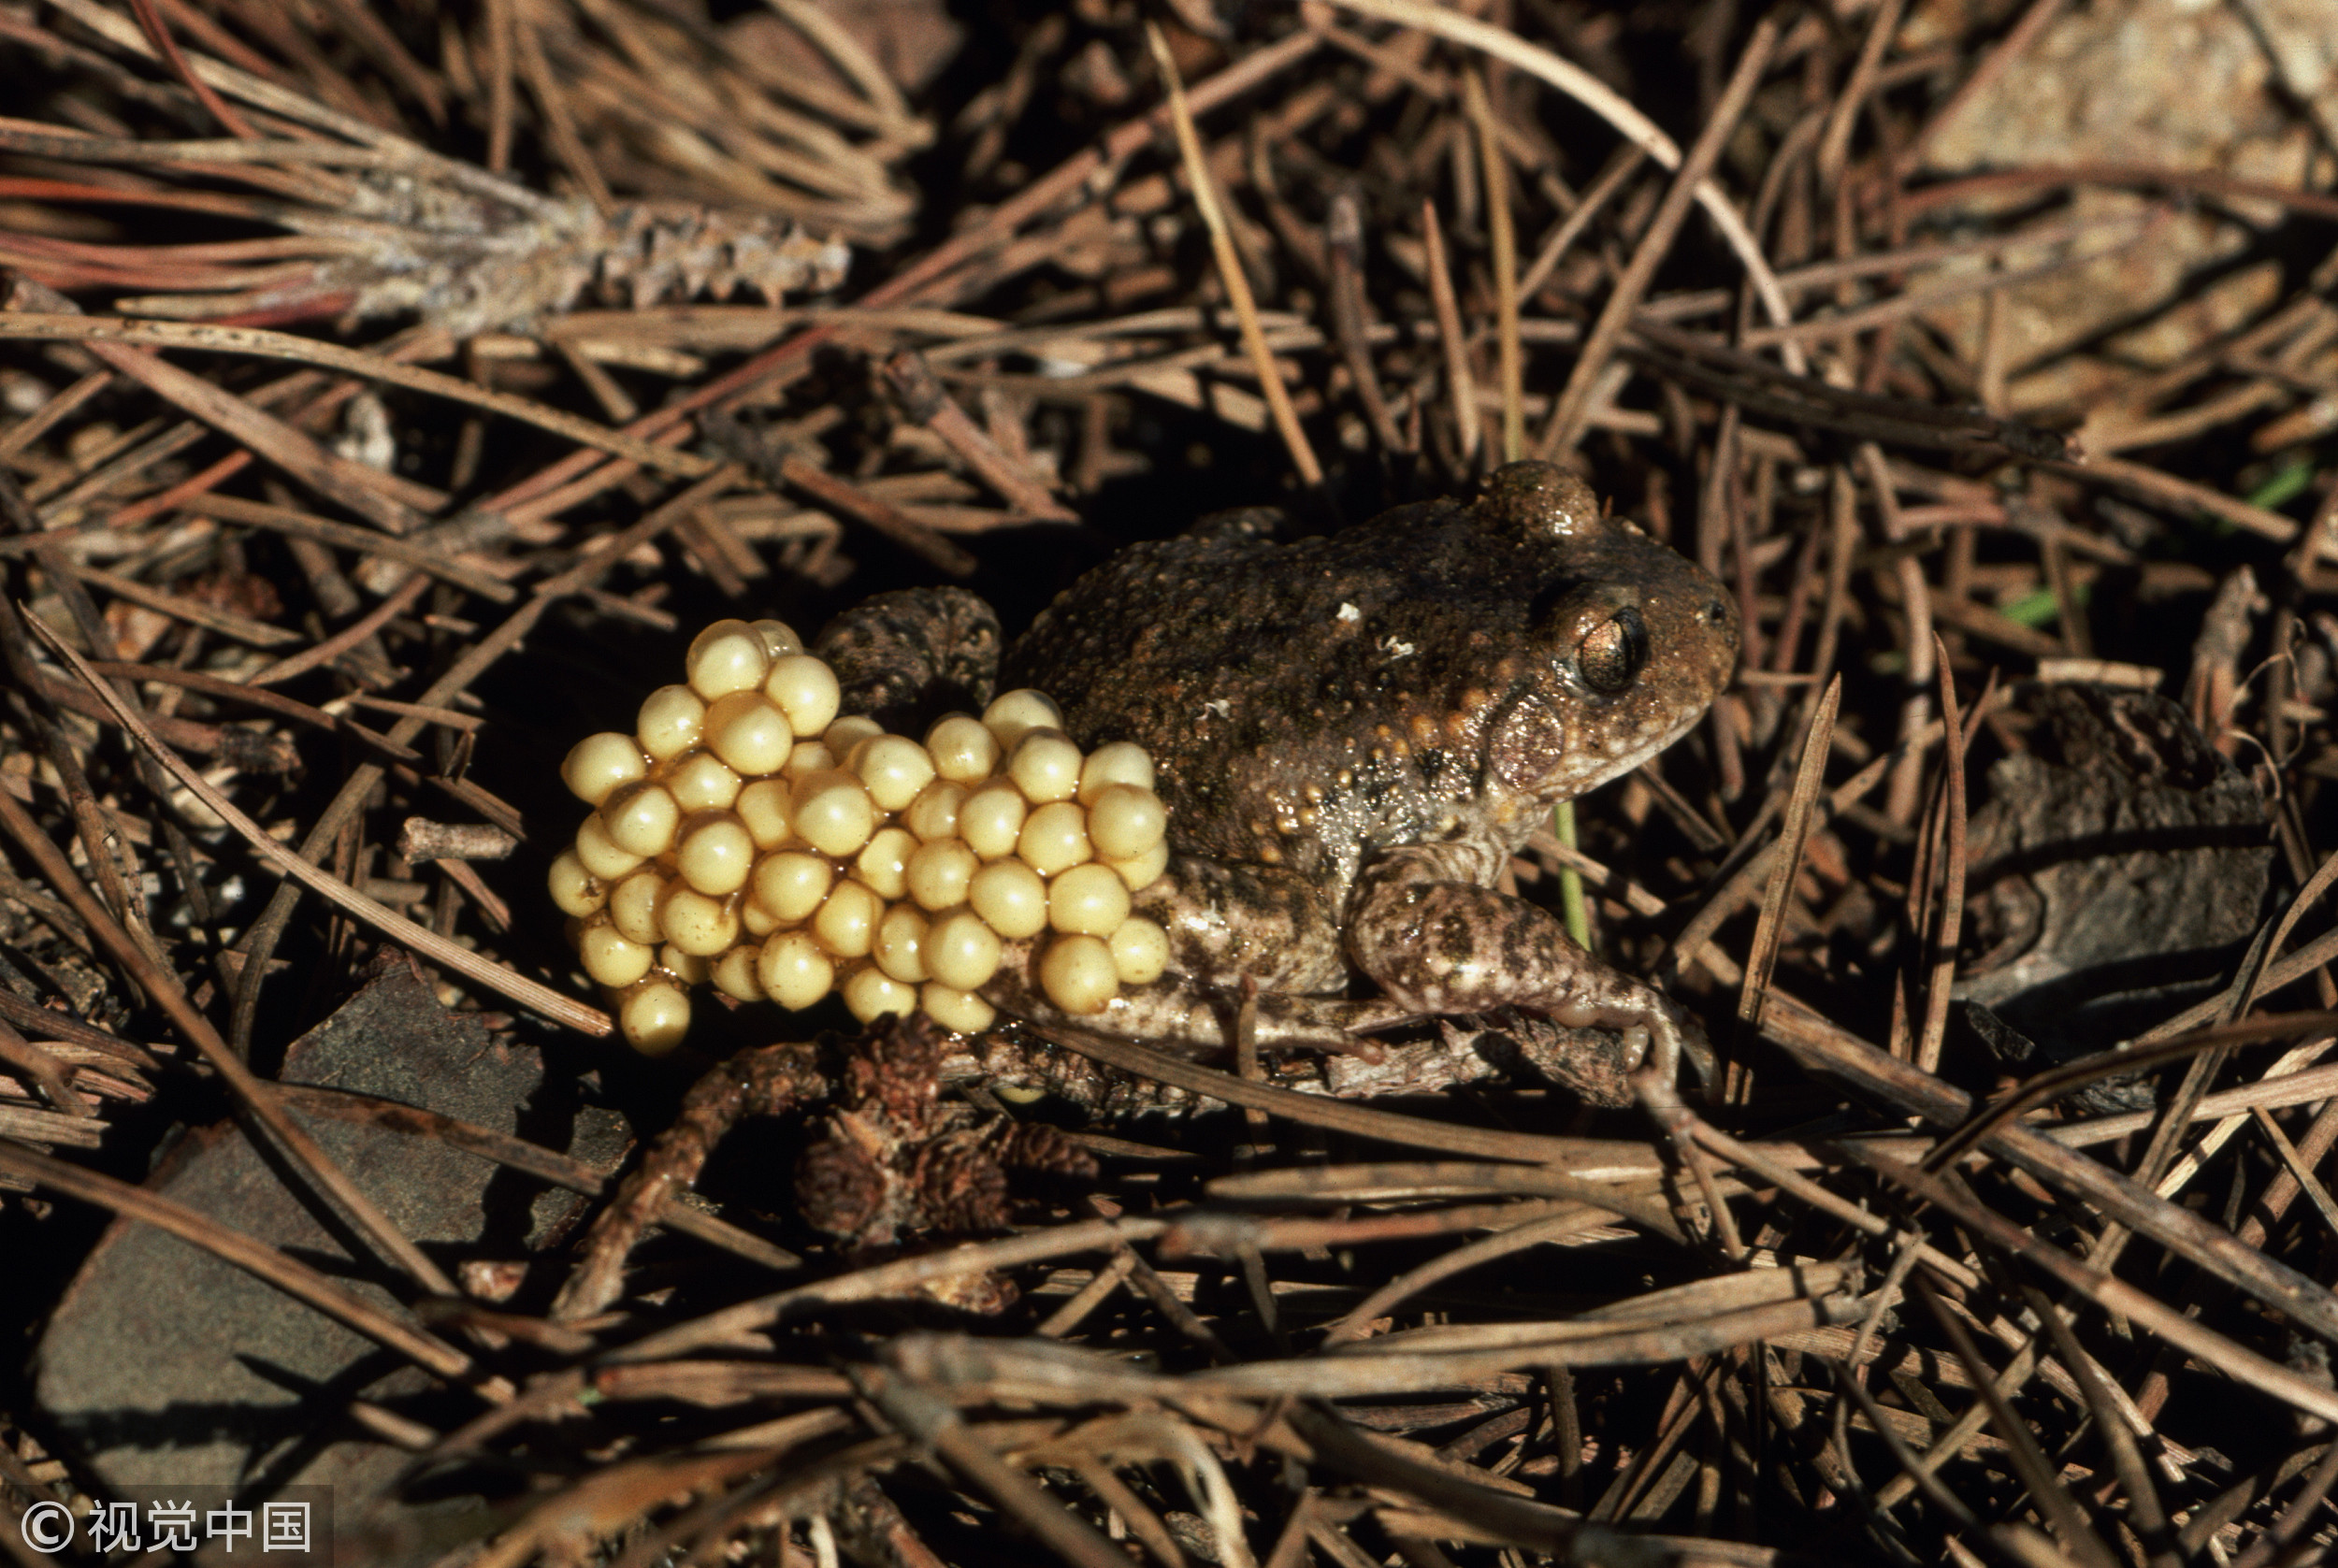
(1612, 652)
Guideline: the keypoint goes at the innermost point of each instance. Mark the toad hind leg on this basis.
(1426, 927)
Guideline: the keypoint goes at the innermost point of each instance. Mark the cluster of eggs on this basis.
(746, 835)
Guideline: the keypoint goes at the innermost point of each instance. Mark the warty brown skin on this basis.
(1353, 733)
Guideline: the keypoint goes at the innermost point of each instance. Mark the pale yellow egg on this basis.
(1143, 871)
(602, 763)
(633, 905)
(728, 656)
(715, 853)
(1045, 766)
(843, 735)
(1125, 821)
(793, 970)
(691, 969)
(789, 885)
(1117, 762)
(991, 819)
(847, 920)
(747, 730)
(1090, 899)
(763, 807)
(575, 891)
(872, 994)
(671, 721)
(1012, 713)
(954, 1009)
(1010, 898)
(734, 974)
(779, 638)
(806, 691)
(655, 1017)
(610, 957)
(1140, 950)
(600, 854)
(1054, 837)
(883, 864)
(1077, 974)
(964, 749)
(833, 813)
(939, 872)
(900, 936)
(961, 950)
(893, 769)
(700, 781)
(641, 819)
(695, 924)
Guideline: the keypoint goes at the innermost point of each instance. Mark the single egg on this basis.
(600, 854)
(763, 807)
(961, 950)
(655, 1016)
(990, 820)
(1054, 838)
(847, 920)
(695, 924)
(715, 853)
(1010, 898)
(779, 638)
(1144, 869)
(1141, 872)
(575, 891)
(935, 814)
(789, 885)
(954, 1009)
(849, 731)
(1013, 712)
(833, 813)
(1090, 900)
(793, 970)
(734, 974)
(899, 947)
(872, 994)
(641, 819)
(700, 781)
(938, 873)
(1140, 950)
(1125, 821)
(893, 769)
(1045, 766)
(601, 763)
(1117, 762)
(806, 691)
(691, 969)
(610, 957)
(883, 867)
(755, 921)
(747, 731)
(964, 749)
(728, 656)
(1077, 973)
(670, 721)
(633, 906)
(810, 757)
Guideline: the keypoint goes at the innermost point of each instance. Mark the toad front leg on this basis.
(1425, 926)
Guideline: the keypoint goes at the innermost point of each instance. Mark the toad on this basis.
(1353, 734)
